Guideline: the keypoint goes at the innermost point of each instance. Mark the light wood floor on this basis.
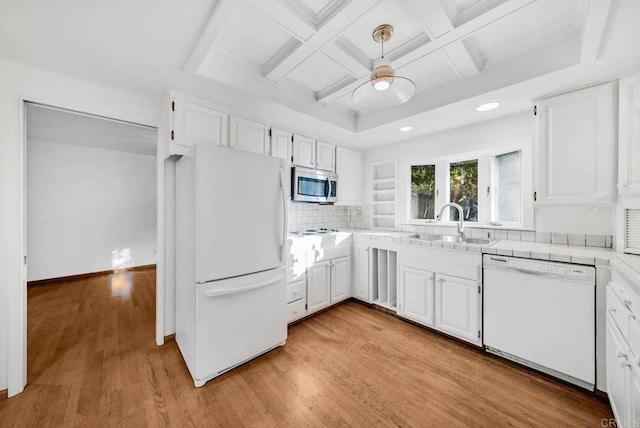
(93, 362)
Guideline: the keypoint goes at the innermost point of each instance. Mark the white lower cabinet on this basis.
(623, 346)
(415, 295)
(318, 286)
(618, 373)
(296, 301)
(457, 307)
(635, 392)
(340, 284)
(362, 289)
(441, 289)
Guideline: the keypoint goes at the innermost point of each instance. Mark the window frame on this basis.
(486, 186)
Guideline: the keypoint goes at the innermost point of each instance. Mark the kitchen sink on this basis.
(457, 239)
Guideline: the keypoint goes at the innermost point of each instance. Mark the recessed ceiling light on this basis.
(488, 106)
(406, 128)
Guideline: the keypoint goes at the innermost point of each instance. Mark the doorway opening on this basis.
(91, 237)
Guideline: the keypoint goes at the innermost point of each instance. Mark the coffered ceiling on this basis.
(314, 53)
(294, 63)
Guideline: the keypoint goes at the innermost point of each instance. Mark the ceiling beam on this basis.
(333, 28)
(348, 56)
(436, 22)
(594, 29)
(220, 14)
(456, 35)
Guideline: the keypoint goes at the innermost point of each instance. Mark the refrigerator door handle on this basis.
(285, 218)
(227, 291)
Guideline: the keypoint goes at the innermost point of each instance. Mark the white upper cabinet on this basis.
(248, 135)
(325, 156)
(280, 144)
(304, 151)
(348, 167)
(195, 122)
(629, 134)
(575, 147)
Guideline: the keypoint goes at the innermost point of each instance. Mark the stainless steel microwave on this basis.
(312, 185)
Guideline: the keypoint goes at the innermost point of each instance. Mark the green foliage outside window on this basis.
(423, 183)
(463, 185)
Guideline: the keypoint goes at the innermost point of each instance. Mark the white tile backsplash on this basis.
(304, 216)
(559, 238)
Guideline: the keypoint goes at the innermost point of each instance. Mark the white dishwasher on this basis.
(542, 315)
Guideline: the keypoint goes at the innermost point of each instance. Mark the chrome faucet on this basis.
(460, 217)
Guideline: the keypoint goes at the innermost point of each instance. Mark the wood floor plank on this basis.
(92, 361)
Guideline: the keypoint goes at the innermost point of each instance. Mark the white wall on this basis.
(35, 85)
(84, 202)
(510, 132)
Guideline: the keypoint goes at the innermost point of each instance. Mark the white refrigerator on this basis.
(231, 232)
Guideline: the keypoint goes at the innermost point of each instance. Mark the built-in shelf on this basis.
(383, 194)
(384, 274)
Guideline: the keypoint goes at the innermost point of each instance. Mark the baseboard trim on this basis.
(87, 275)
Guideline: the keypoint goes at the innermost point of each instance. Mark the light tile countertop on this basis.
(579, 254)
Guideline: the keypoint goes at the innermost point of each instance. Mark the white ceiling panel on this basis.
(429, 70)
(316, 6)
(252, 36)
(394, 12)
(461, 11)
(527, 26)
(318, 72)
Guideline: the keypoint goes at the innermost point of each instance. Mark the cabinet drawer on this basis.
(295, 310)
(618, 312)
(296, 291)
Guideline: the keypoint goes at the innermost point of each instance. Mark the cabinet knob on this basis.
(295, 292)
(622, 355)
(295, 311)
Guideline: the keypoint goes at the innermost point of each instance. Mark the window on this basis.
(463, 189)
(423, 191)
(507, 198)
(487, 187)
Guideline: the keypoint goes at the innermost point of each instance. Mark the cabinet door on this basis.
(415, 295)
(457, 307)
(318, 286)
(629, 134)
(575, 148)
(280, 144)
(634, 399)
(194, 123)
(248, 135)
(340, 284)
(304, 151)
(362, 287)
(325, 156)
(348, 167)
(618, 372)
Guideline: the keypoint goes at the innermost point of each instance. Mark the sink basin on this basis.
(457, 239)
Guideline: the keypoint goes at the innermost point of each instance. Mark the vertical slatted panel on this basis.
(632, 231)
